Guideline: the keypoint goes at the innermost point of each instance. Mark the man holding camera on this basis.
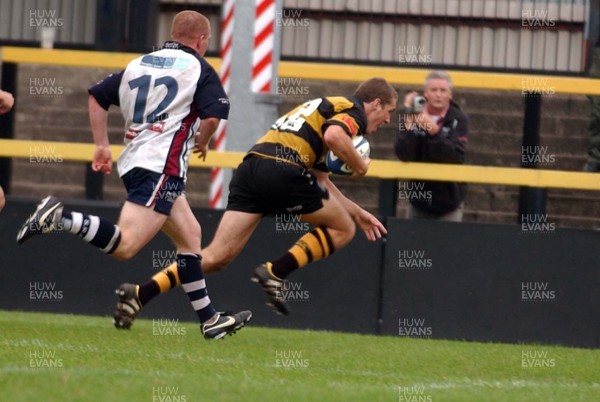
(433, 129)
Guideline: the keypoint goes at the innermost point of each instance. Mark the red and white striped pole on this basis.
(216, 184)
(262, 55)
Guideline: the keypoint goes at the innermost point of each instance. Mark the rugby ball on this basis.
(338, 166)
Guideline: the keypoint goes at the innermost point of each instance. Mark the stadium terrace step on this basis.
(40, 168)
(491, 198)
(40, 190)
(487, 142)
(571, 205)
(490, 217)
(564, 126)
(575, 145)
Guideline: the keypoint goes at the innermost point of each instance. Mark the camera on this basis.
(418, 104)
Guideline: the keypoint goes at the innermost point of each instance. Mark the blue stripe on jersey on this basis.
(151, 60)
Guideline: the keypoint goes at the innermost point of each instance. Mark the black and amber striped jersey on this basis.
(297, 137)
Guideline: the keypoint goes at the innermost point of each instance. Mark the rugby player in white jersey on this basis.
(172, 101)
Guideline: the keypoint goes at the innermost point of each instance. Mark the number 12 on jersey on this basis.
(143, 85)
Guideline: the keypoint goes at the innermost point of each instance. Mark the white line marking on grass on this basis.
(468, 383)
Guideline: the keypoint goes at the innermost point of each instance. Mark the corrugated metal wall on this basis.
(495, 34)
(499, 34)
(23, 20)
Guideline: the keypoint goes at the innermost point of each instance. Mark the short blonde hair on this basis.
(189, 25)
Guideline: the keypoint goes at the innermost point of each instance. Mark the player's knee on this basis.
(2, 202)
(123, 255)
(125, 251)
(190, 243)
(218, 266)
(348, 233)
(215, 262)
(224, 260)
(343, 235)
(195, 231)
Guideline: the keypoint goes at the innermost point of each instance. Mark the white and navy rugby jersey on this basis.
(163, 95)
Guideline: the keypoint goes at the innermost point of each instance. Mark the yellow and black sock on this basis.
(311, 247)
(162, 282)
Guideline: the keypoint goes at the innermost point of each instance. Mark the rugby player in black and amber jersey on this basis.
(298, 137)
(285, 173)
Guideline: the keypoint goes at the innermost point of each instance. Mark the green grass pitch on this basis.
(53, 357)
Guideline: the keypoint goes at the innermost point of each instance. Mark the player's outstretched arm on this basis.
(369, 224)
(208, 127)
(102, 161)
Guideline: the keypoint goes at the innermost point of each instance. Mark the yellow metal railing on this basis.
(383, 169)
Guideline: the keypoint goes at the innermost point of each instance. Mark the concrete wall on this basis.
(429, 279)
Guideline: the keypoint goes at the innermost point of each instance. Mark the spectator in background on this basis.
(593, 69)
(434, 129)
(6, 103)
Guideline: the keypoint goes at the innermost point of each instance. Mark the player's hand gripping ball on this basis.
(338, 166)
